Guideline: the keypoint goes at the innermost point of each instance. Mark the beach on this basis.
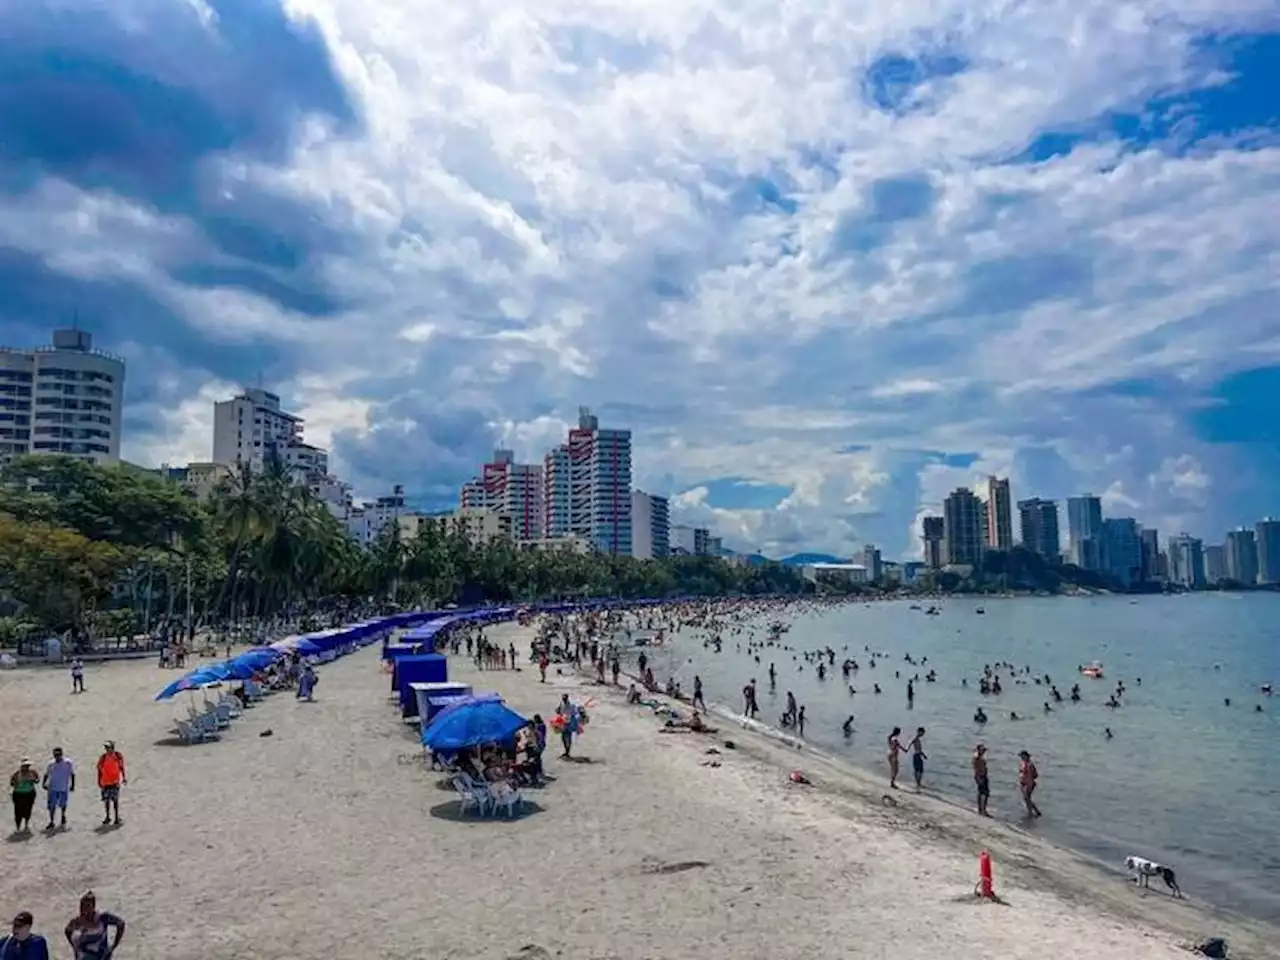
(331, 838)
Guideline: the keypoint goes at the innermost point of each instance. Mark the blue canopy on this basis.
(470, 722)
(211, 673)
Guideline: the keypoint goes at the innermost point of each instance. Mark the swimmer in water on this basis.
(848, 726)
(979, 716)
(1107, 731)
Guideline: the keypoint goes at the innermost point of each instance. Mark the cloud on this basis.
(827, 262)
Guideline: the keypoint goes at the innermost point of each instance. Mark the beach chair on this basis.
(211, 716)
(208, 725)
(222, 710)
(470, 796)
(253, 691)
(189, 732)
(503, 794)
(232, 705)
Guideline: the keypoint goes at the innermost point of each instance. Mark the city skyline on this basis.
(823, 277)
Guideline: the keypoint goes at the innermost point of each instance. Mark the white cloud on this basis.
(673, 206)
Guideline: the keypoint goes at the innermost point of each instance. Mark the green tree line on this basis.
(118, 549)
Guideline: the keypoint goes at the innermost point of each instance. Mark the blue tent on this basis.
(211, 673)
(471, 722)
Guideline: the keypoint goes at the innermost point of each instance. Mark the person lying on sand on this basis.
(694, 725)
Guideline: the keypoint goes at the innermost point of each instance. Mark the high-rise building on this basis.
(588, 486)
(509, 489)
(933, 532)
(1150, 555)
(1038, 528)
(1186, 561)
(1084, 527)
(872, 561)
(65, 398)
(556, 489)
(252, 429)
(999, 514)
(715, 546)
(1215, 563)
(1242, 556)
(650, 526)
(1267, 536)
(962, 514)
(1121, 549)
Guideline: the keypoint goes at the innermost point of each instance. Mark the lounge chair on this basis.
(190, 732)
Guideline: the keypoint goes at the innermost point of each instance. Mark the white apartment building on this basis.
(689, 541)
(366, 521)
(334, 494)
(252, 427)
(556, 485)
(63, 398)
(650, 526)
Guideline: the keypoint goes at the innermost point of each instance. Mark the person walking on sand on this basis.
(94, 934)
(543, 662)
(568, 724)
(615, 667)
(1027, 777)
(59, 782)
(918, 757)
(111, 776)
(77, 675)
(698, 700)
(895, 748)
(749, 705)
(23, 785)
(800, 721)
(980, 778)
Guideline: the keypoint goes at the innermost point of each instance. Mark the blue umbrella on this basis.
(258, 659)
(211, 673)
(308, 648)
(471, 722)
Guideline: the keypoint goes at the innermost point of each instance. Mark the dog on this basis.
(1145, 869)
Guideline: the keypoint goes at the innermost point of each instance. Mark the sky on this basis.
(827, 259)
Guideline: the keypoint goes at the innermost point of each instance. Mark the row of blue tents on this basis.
(422, 629)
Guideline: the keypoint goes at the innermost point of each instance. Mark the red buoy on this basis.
(986, 882)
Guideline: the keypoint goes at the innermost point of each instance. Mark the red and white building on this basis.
(587, 486)
(511, 490)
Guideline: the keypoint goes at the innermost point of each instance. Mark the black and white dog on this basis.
(1144, 869)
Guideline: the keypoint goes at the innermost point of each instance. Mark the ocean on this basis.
(1186, 779)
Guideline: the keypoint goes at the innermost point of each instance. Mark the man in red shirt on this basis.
(111, 777)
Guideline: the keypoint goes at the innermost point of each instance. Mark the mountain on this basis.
(800, 559)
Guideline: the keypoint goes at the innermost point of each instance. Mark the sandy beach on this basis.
(331, 839)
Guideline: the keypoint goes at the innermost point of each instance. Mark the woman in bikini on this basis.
(895, 748)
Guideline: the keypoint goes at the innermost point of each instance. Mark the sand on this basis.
(331, 839)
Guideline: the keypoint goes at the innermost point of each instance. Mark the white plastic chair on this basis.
(470, 796)
(503, 794)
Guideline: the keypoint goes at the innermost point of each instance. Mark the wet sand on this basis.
(331, 839)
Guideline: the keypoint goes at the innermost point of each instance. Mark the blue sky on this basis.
(828, 260)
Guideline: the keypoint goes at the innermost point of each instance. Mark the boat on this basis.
(1093, 670)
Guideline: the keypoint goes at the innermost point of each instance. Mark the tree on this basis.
(57, 575)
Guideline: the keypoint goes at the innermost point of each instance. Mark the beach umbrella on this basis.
(257, 659)
(199, 677)
(307, 647)
(471, 722)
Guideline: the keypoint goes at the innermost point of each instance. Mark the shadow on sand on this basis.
(452, 811)
(19, 836)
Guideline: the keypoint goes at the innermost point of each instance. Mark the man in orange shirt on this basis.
(111, 776)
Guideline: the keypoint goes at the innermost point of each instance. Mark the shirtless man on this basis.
(916, 746)
(980, 778)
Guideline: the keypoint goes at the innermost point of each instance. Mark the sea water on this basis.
(1185, 780)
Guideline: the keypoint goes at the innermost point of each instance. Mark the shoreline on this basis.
(1023, 860)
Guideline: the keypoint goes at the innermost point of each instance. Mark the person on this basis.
(22, 944)
(848, 726)
(800, 722)
(77, 675)
(94, 934)
(59, 781)
(307, 684)
(569, 725)
(111, 776)
(615, 668)
(751, 708)
(23, 785)
(895, 748)
(980, 778)
(698, 701)
(1027, 777)
(918, 757)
